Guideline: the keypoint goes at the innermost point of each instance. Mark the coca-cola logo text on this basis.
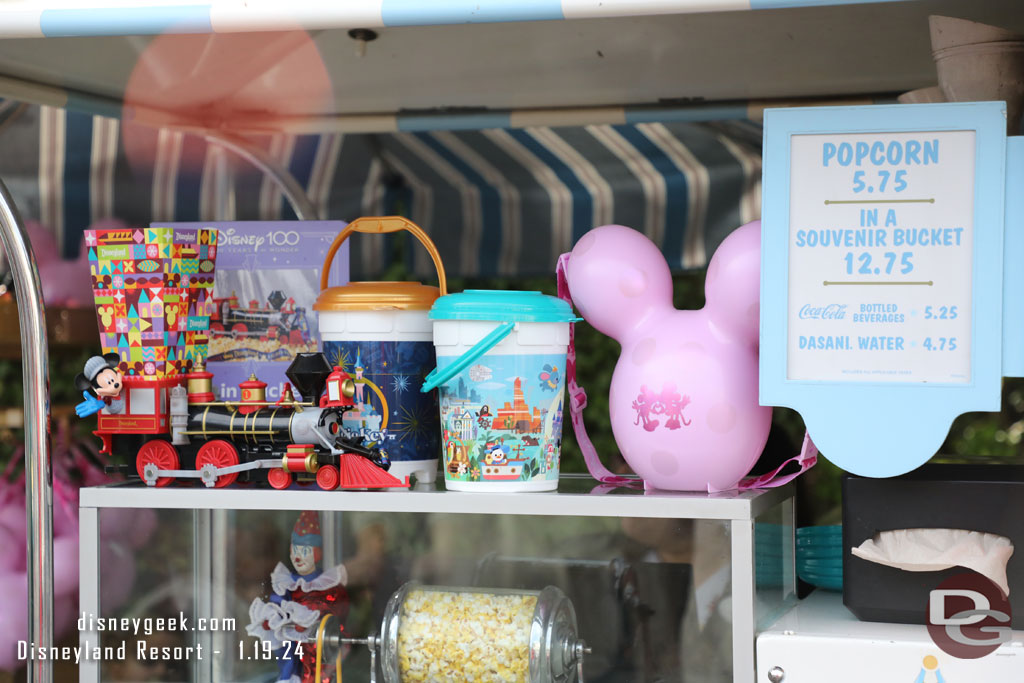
(829, 312)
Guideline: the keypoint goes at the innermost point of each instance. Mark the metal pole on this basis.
(285, 181)
(38, 478)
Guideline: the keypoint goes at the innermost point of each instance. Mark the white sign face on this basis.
(881, 240)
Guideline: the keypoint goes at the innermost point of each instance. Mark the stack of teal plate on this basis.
(819, 556)
(770, 551)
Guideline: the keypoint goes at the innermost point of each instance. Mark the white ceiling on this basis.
(812, 52)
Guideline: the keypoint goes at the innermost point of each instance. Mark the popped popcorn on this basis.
(449, 637)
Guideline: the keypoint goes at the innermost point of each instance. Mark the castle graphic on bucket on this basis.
(502, 420)
(390, 410)
(500, 383)
(380, 333)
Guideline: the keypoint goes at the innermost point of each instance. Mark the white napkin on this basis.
(927, 550)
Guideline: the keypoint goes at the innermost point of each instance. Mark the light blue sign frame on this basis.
(883, 429)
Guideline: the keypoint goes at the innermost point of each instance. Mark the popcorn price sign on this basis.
(882, 282)
(880, 251)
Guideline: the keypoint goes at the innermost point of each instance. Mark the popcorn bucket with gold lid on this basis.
(379, 333)
(153, 291)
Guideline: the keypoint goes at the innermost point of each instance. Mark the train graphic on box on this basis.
(154, 399)
(178, 430)
(280, 319)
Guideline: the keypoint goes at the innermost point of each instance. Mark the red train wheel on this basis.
(279, 479)
(159, 453)
(216, 327)
(327, 477)
(219, 453)
(239, 329)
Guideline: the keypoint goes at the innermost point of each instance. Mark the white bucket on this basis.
(500, 389)
(387, 353)
(380, 333)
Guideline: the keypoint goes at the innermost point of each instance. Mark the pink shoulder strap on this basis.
(806, 459)
(578, 397)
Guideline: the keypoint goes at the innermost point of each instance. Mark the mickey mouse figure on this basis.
(101, 384)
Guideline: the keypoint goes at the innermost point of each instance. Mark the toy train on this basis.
(281, 321)
(179, 431)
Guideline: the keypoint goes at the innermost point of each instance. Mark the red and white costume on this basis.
(298, 602)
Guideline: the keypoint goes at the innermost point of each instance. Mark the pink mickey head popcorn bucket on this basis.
(684, 395)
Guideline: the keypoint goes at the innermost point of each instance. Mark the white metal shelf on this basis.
(578, 495)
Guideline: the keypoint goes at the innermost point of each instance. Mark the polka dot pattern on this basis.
(643, 351)
(722, 417)
(632, 282)
(664, 463)
(585, 244)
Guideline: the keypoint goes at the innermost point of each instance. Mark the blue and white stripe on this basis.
(152, 17)
(497, 202)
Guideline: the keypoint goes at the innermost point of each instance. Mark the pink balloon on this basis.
(65, 566)
(65, 519)
(143, 527)
(13, 618)
(13, 524)
(116, 522)
(12, 551)
(14, 516)
(683, 399)
(64, 281)
(65, 613)
(93, 476)
(117, 575)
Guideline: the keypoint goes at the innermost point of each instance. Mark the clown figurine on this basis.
(300, 599)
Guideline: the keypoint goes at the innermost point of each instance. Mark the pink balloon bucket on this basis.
(683, 403)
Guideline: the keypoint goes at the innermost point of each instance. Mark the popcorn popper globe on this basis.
(456, 634)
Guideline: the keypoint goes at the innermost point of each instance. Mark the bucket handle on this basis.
(377, 225)
(437, 377)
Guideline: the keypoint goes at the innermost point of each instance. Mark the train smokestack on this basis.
(308, 374)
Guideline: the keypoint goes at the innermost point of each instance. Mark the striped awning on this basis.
(497, 201)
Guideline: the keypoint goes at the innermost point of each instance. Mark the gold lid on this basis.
(377, 296)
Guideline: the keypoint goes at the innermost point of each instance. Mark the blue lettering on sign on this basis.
(825, 343)
(927, 237)
(877, 153)
(880, 343)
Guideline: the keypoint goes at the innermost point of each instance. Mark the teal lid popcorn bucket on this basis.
(500, 377)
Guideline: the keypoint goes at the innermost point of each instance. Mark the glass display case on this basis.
(654, 586)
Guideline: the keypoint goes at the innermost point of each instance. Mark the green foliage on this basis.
(63, 366)
(989, 435)
(475, 472)
(530, 470)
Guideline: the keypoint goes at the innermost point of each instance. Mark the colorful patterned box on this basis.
(268, 277)
(153, 289)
